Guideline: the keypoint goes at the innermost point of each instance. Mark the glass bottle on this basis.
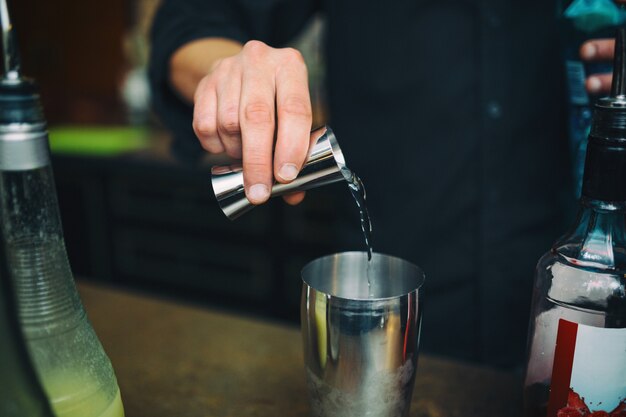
(68, 358)
(21, 395)
(577, 335)
(580, 21)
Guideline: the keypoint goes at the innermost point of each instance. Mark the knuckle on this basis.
(228, 122)
(256, 163)
(255, 47)
(204, 127)
(258, 113)
(255, 172)
(292, 55)
(221, 64)
(295, 107)
(229, 127)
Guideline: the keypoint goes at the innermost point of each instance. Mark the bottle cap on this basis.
(605, 164)
(23, 137)
(20, 103)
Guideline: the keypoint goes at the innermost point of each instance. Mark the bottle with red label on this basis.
(576, 363)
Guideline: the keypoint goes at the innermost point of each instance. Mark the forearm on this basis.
(191, 62)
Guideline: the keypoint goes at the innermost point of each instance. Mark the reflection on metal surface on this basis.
(324, 165)
(361, 342)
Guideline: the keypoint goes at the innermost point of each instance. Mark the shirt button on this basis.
(494, 110)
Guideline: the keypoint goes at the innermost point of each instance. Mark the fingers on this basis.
(295, 198)
(597, 50)
(257, 120)
(599, 83)
(293, 105)
(205, 119)
(244, 101)
(228, 128)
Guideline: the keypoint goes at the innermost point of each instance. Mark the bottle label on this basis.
(589, 372)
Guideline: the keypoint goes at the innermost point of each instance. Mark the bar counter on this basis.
(175, 360)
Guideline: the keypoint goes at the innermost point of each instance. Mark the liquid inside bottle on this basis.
(66, 354)
(72, 366)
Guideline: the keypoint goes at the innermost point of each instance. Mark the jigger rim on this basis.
(412, 276)
(340, 160)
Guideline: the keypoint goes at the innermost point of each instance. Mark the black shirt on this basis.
(451, 113)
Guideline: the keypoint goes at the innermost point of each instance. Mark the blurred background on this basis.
(133, 216)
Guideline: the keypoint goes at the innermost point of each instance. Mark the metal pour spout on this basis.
(10, 51)
(23, 136)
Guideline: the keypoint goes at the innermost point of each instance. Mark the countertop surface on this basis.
(174, 360)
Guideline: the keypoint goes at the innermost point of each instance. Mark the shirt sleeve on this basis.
(178, 22)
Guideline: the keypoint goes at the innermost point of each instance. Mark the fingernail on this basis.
(258, 193)
(288, 172)
(594, 84)
(589, 51)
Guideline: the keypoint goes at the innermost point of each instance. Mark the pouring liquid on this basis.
(358, 193)
(357, 189)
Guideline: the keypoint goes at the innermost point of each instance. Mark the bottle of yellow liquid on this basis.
(68, 358)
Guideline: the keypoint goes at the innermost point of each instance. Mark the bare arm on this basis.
(195, 60)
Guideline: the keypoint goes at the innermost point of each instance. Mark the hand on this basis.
(241, 103)
(599, 50)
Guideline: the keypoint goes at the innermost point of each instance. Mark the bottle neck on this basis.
(605, 163)
(598, 239)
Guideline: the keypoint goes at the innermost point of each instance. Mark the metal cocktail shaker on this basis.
(325, 164)
(360, 328)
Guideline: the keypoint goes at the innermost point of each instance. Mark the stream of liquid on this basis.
(358, 193)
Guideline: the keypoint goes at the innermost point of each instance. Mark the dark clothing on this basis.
(451, 113)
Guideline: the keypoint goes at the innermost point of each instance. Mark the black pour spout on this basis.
(618, 86)
(605, 163)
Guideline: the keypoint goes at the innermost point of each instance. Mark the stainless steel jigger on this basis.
(324, 165)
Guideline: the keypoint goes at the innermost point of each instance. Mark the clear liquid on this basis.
(358, 193)
(357, 189)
